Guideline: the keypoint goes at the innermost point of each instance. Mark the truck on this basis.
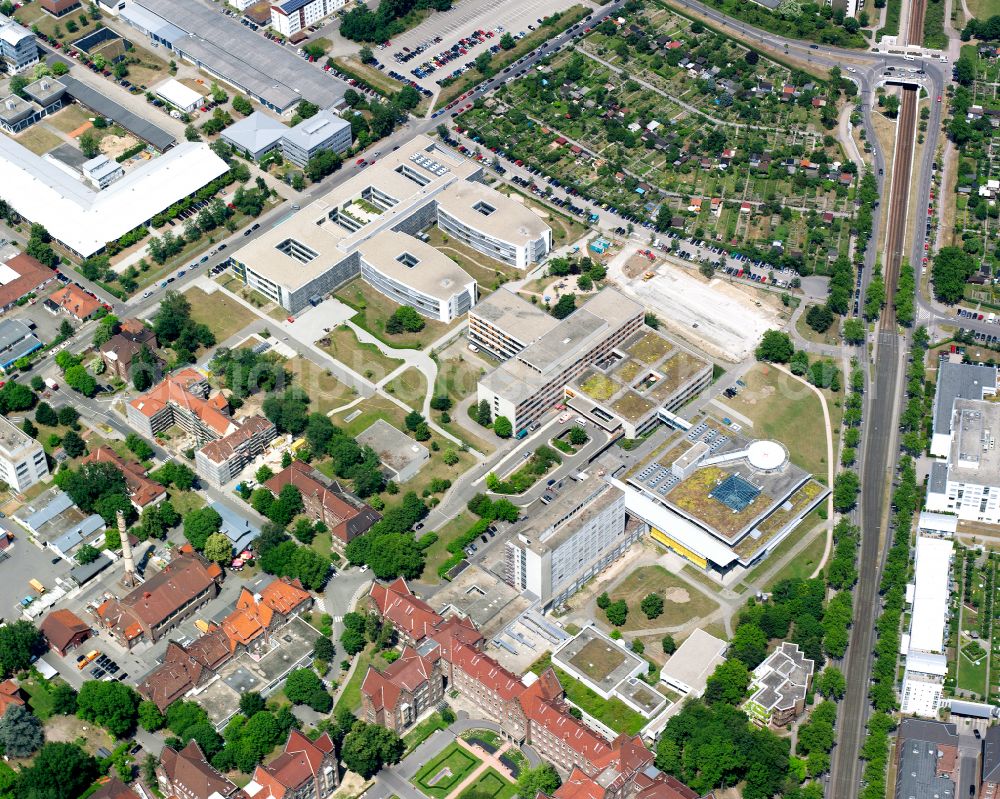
(51, 384)
(36, 585)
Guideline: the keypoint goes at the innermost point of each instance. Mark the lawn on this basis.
(365, 359)
(374, 407)
(784, 409)
(224, 316)
(458, 377)
(445, 772)
(804, 564)
(488, 273)
(185, 501)
(490, 785)
(410, 387)
(437, 552)
(350, 696)
(325, 391)
(423, 731)
(38, 139)
(39, 696)
(972, 667)
(983, 9)
(68, 118)
(374, 308)
(681, 601)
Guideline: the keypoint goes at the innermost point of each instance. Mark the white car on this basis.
(564, 418)
(581, 421)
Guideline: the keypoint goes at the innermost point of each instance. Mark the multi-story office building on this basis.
(22, 459)
(504, 323)
(512, 234)
(957, 381)
(324, 131)
(968, 483)
(318, 249)
(18, 48)
(576, 536)
(292, 16)
(409, 272)
(530, 383)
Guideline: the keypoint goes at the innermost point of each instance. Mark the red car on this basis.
(361, 162)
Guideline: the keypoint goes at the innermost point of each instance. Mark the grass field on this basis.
(325, 391)
(224, 316)
(365, 359)
(423, 731)
(458, 377)
(681, 602)
(445, 772)
(374, 308)
(437, 552)
(410, 387)
(804, 564)
(972, 672)
(488, 273)
(784, 409)
(68, 119)
(490, 785)
(38, 139)
(983, 9)
(350, 697)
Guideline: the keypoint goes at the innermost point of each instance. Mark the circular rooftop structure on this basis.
(766, 456)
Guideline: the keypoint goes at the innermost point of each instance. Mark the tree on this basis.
(507, 41)
(668, 644)
(652, 605)
(79, 379)
(366, 55)
(242, 105)
(199, 524)
(395, 555)
(150, 717)
(73, 444)
(251, 703)
(69, 416)
(502, 427)
(218, 548)
(728, 683)
(775, 347)
(20, 643)
(87, 554)
(831, 683)
(617, 612)
(59, 770)
(483, 413)
(565, 306)
(845, 491)
(749, 644)
(541, 779)
(603, 601)
(63, 699)
(853, 331)
(819, 318)
(44, 414)
(145, 369)
(113, 705)
(20, 732)
(89, 145)
(304, 687)
(323, 648)
(952, 267)
(406, 319)
(369, 747)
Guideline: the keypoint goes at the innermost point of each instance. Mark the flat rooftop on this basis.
(339, 222)
(552, 352)
(238, 54)
(641, 375)
(735, 485)
(514, 315)
(692, 663)
(574, 505)
(495, 214)
(975, 428)
(931, 593)
(13, 440)
(960, 381)
(413, 263)
(598, 658)
(394, 448)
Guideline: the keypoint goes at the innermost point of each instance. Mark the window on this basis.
(484, 208)
(412, 174)
(407, 260)
(295, 249)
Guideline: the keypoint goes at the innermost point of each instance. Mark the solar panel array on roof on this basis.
(735, 493)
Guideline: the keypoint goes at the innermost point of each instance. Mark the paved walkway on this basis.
(489, 761)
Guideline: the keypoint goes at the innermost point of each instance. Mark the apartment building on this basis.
(163, 601)
(292, 16)
(22, 459)
(399, 695)
(967, 484)
(221, 461)
(576, 536)
(18, 48)
(510, 233)
(927, 760)
(326, 501)
(410, 272)
(989, 786)
(322, 246)
(779, 687)
(527, 385)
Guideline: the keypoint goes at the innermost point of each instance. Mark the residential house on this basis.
(10, 694)
(185, 668)
(326, 501)
(399, 695)
(64, 630)
(24, 275)
(114, 788)
(187, 774)
(142, 490)
(305, 770)
(74, 301)
(120, 350)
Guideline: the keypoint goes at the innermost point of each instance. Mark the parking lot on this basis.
(25, 562)
(462, 21)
